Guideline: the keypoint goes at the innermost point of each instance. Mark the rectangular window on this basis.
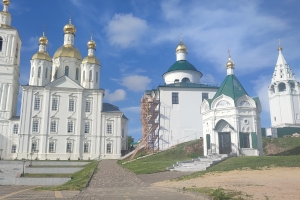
(88, 106)
(54, 104)
(37, 103)
(70, 127)
(35, 126)
(13, 148)
(86, 148)
(204, 96)
(71, 104)
(245, 141)
(123, 132)
(175, 99)
(53, 127)
(51, 147)
(87, 127)
(16, 129)
(109, 128)
(108, 148)
(97, 77)
(33, 147)
(69, 147)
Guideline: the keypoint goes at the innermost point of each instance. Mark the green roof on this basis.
(231, 87)
(182, 65)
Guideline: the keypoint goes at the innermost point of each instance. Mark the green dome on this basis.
(182, 65)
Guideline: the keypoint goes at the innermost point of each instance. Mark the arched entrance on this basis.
(224, 129)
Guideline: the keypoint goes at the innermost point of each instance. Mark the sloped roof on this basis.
(231, 87)
(107, 107)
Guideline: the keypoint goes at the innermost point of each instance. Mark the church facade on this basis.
(231, 119)
(62, 111)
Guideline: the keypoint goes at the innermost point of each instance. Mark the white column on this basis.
(4, 97)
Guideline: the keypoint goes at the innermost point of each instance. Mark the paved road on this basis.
(110, 182)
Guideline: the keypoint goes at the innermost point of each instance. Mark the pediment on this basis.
(64, 82)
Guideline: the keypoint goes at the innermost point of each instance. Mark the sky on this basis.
(136, 41)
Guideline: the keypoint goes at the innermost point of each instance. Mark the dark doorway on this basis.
(224, 143)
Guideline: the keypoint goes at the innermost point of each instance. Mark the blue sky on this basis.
(136, 41)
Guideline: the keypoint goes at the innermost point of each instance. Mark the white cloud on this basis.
(125, 30)
(32, 44)
(133, 109)
(117, 95)
(208, 78)
(136, 83)
(261, 87)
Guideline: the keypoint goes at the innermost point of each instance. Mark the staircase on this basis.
(199, 164)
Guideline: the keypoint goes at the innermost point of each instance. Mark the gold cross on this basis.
(228, 53)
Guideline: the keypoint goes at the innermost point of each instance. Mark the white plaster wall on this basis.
(181, 122)
(86, 82)
(170, 77)
(60, 63)
(43, 79)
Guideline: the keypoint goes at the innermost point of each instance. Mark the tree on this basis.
(130, 140)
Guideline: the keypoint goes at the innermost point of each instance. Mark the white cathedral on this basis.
(62, 112)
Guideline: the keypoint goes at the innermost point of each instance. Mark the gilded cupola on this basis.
(230, 63)
(6, 2)
(91, 58)
(181, 47)
(69, 28)
(42, 53)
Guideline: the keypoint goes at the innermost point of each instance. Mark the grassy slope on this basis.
(239, 163)
(79, 179)
(160, 161)
(290, 146)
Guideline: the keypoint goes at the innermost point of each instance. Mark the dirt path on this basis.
(275, 183)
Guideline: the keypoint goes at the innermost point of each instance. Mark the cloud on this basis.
(125, 30)
(261, 87)
(118, 95)
(208, 78)
(135, 83)
(32, 44)
(133, 109)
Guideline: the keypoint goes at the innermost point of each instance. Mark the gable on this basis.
(64, 82)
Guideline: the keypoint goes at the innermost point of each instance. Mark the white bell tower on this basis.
(284, 95)
(10, 45)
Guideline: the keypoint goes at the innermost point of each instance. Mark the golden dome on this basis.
(91, 59)
(41, 55)
(43, 40)
(181, 47)
(67, 51)
(229, 64)
(6, 2)
(91, 44)
(69, 28)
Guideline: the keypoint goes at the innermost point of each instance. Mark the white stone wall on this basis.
(170, 77)
(181, 122)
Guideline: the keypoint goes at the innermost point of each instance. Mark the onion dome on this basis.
(91, 44)
(43, 40)
(69, 28)
(6, 2)
(91, 59)
(67, 50)
(181, 47)
(230, 64)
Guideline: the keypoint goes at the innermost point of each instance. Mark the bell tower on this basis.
(10, 45)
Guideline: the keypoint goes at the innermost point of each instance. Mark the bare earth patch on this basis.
(274, 183)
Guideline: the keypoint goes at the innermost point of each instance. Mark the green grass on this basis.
(220, 193)
(161, 160)
(290, 145)
(254, 163)
(79, 179)
(47, 175)
(57, 166)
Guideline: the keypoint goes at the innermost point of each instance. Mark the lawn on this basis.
(281, 146)
(255, 163)
(47, 175)
(161, 160)
(79, 179)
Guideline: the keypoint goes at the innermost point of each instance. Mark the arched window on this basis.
(90, 75)
(96, 77)
(83, 76)
(281, 87)
(67, 71)
(292, 85)
(39, 72)
(185, 80)
(1, 43)
(77, 74)
(272, 89)
(46, 73)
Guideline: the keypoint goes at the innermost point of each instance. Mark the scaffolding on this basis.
(149, 112)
